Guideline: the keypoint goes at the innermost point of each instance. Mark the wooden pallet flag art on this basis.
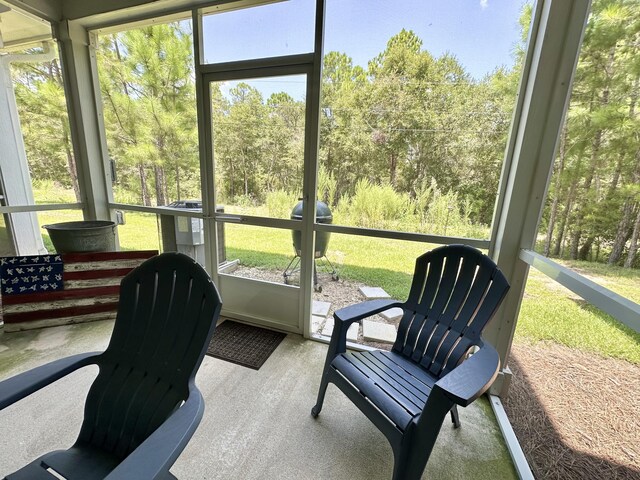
(49, 290)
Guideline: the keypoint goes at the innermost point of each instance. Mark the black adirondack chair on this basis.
(143, 407)
(408, 391)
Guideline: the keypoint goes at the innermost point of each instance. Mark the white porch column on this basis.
(14, 170)
(85, 117)
(555, 40)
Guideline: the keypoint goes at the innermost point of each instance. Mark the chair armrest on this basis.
(348, 315)
(472, 377)
(26, 383)
(154, 456)
(357, 312)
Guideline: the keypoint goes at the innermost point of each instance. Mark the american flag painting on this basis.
(87, 287)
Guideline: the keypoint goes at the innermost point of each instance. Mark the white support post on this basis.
(85, 117)
(14, 170)
(310, 186)
(205, 144)
(545, 91)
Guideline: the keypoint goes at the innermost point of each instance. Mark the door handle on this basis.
(229, 219)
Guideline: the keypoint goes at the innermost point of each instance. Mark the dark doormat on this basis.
(243, 344)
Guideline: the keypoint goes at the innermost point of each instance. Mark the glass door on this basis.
(257, 130)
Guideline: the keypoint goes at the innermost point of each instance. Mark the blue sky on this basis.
(480, 33)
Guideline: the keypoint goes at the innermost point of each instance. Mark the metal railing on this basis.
(619, 307)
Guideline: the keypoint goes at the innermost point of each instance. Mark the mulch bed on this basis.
(575, 414)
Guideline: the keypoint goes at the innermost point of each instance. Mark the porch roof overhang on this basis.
(20, 29)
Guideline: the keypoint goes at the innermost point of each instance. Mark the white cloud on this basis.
(484, 4)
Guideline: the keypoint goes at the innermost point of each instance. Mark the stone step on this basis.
(320, 309)
(378, 331)
(352, 333)
(393, 314)
(328, 327)
(373, 293)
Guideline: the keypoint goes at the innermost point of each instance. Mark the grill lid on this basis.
(323, 212)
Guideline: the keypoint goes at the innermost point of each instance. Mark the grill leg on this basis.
(291, 269)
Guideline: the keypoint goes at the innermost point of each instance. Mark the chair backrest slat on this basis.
(430, 286)
(461, 290)
(455, 292)
(411, 342)
(166, 316)
(424, 337)
(444, 285)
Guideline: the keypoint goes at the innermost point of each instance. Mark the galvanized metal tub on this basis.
(83, 236)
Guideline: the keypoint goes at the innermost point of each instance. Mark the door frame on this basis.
(309, 64)
(278, 296)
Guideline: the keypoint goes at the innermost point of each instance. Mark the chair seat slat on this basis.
(426, 380)
(415, 388)
(388, 380)
(386, 404)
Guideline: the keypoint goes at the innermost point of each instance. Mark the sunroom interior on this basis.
(285, 442)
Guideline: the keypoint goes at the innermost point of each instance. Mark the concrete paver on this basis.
(393, 314)
(372, 293)
(378, 331)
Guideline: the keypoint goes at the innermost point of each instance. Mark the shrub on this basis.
(378, 206)
(122, 194)
(280, 203)
(327, 186)
(445, 214)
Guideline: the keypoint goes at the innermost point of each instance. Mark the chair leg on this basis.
(337, 345)
(324, 383)
(455, 418)
(409, 463)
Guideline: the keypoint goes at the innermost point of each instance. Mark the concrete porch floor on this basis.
(257, 424)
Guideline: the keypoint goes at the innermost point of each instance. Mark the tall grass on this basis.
(429, 211)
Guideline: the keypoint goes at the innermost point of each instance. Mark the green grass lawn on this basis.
(549, 312)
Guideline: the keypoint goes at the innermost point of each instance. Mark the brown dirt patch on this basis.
(575, 414)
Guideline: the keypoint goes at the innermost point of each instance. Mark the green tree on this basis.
(593, 198)
(146, 77)
(45, 124)
(239, 143)
(345, 138)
